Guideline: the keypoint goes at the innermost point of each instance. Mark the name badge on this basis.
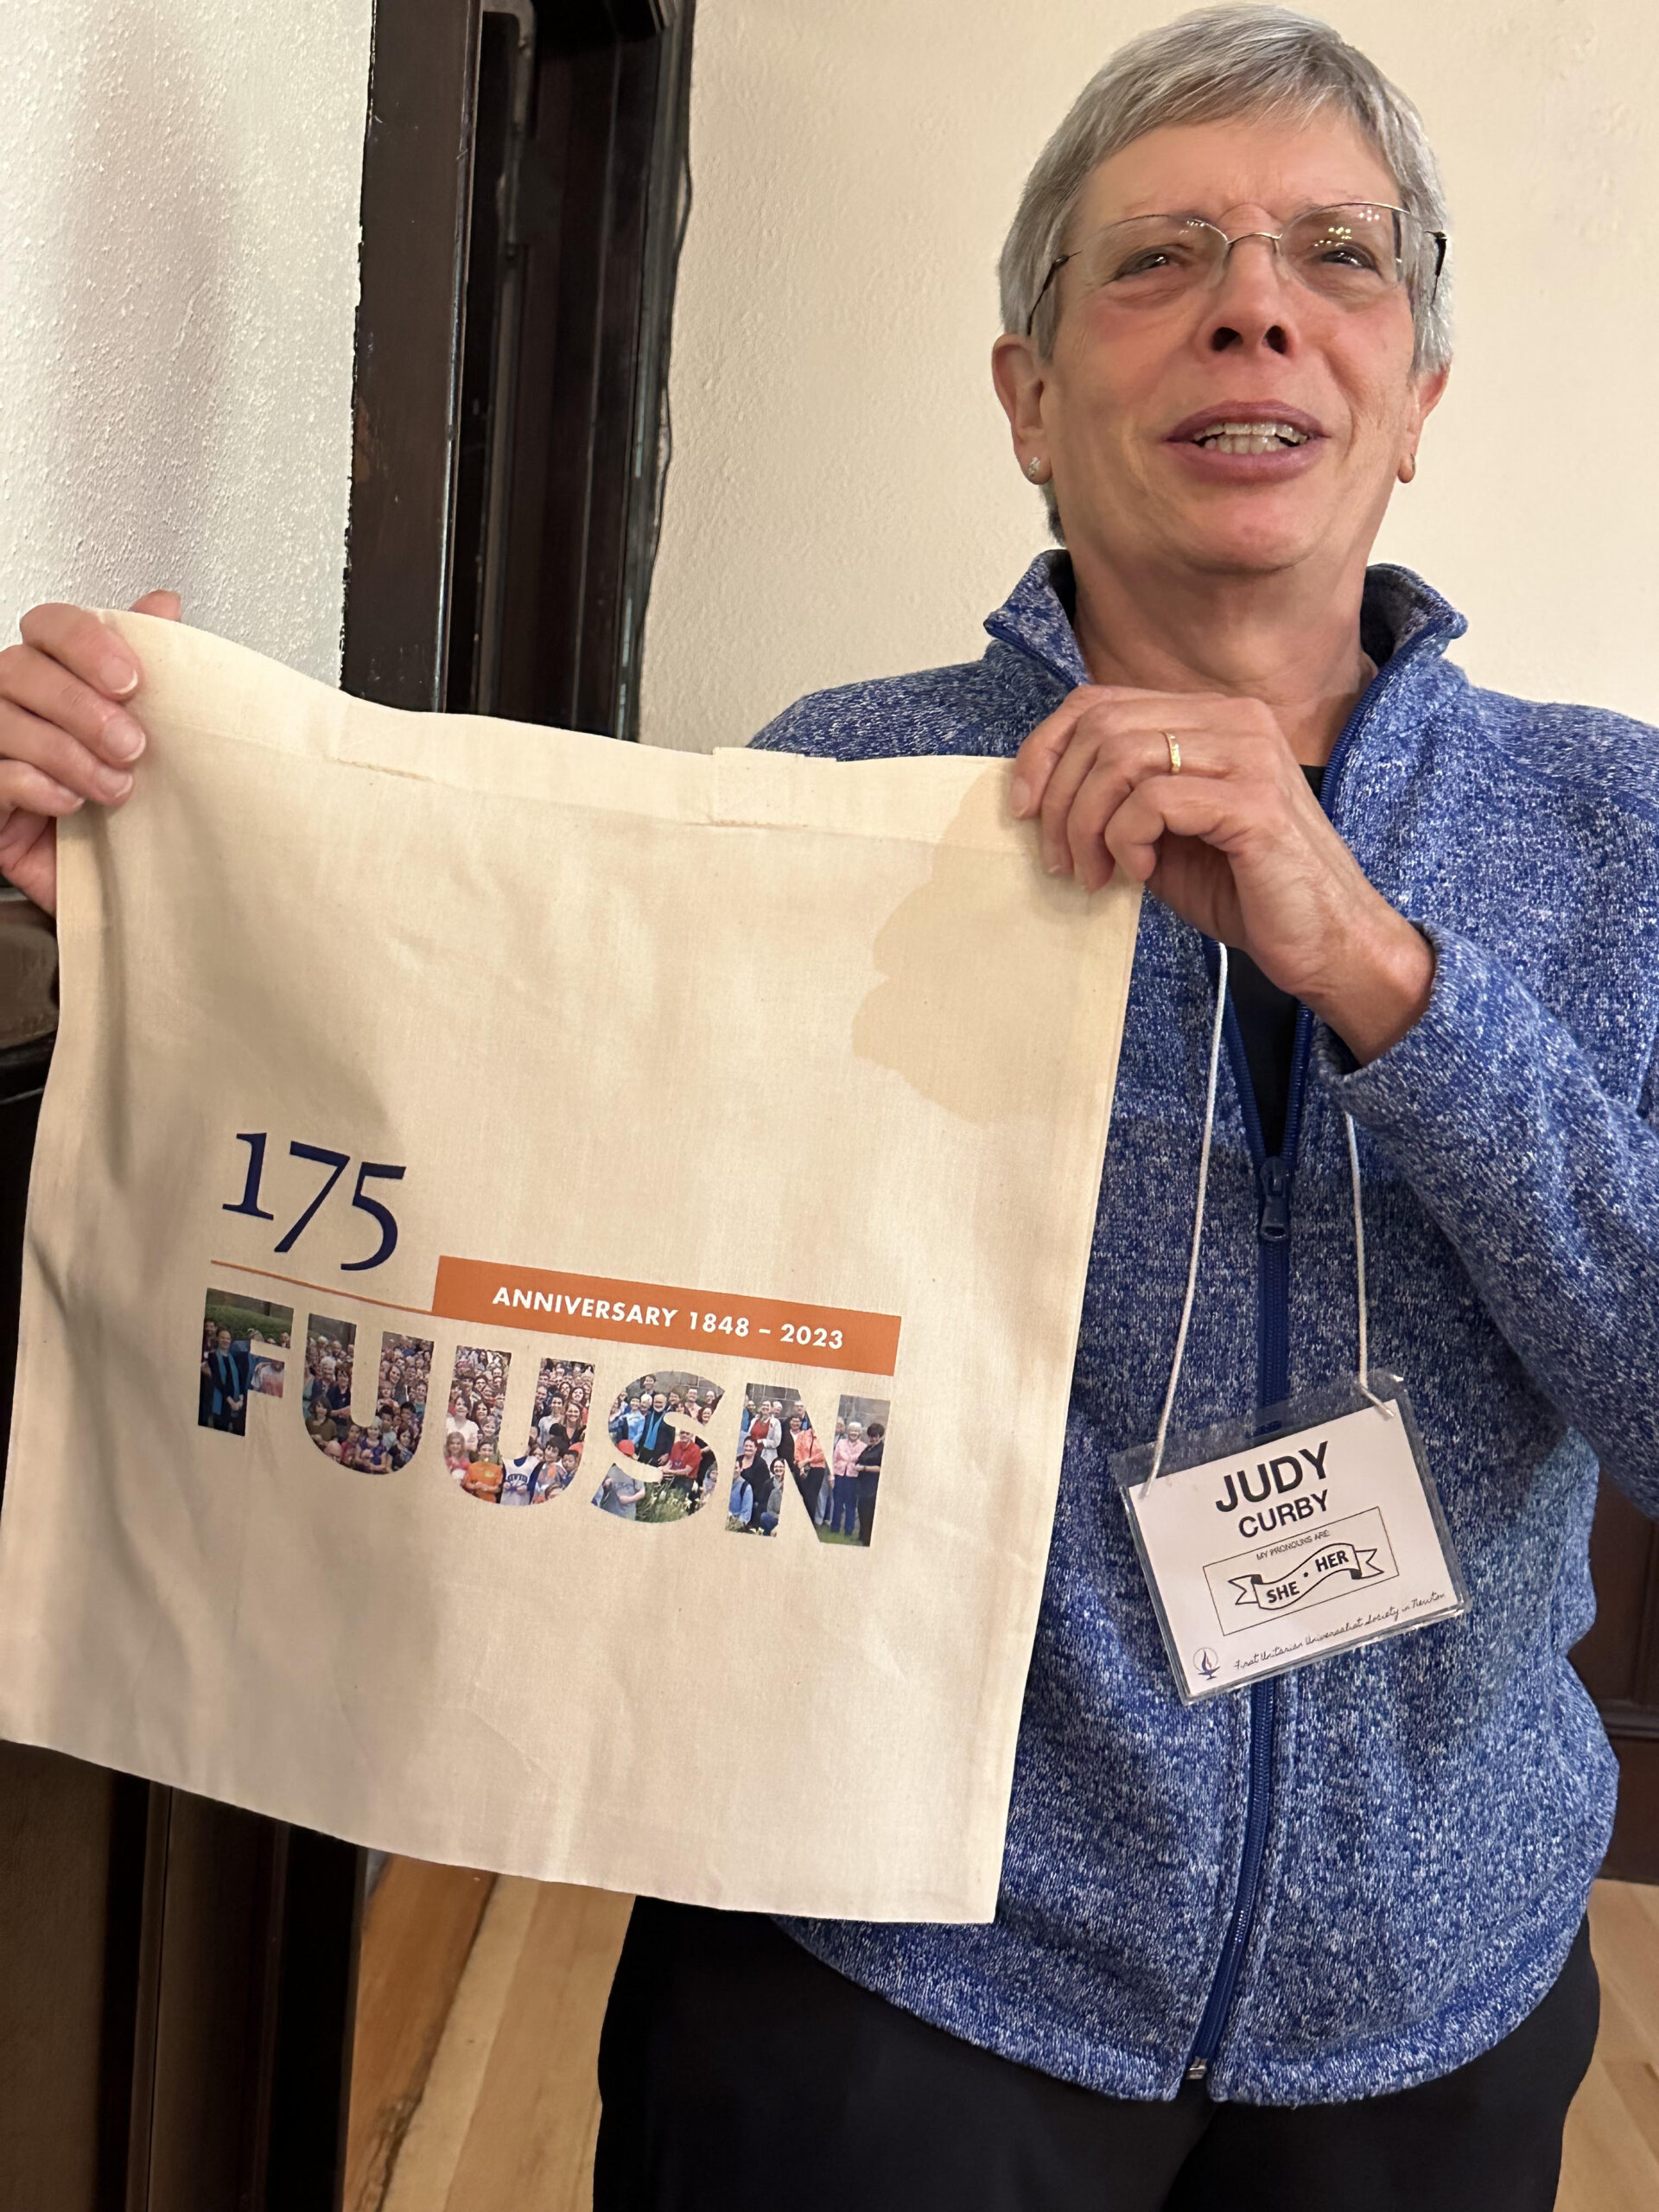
(1264, 1554)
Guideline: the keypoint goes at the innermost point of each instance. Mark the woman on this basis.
(810, 1468)
(554, 1429)
(1318, 1943)
(867, 1468)
(740, 1504)
(459, 1422)
(766, 1487)
(843, 1511)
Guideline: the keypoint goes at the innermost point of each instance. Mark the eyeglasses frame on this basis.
(1273, 238)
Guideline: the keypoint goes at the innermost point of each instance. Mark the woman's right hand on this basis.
(65, 736)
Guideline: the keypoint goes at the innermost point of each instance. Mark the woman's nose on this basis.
(1253, 300)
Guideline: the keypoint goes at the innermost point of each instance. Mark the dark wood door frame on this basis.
(512, 426)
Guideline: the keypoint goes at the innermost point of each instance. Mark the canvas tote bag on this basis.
(551, 1278)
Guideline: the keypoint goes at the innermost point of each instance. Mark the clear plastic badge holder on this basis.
(1283, 1538)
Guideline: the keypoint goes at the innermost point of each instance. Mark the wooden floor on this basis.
(1611, 2161)
(474, 2089)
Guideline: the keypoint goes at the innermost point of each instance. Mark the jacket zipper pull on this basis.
(1274, 1224)
(1197, 2069)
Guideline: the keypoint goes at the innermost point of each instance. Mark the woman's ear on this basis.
(1426, 396)
(1020, 378)
(1429, 389)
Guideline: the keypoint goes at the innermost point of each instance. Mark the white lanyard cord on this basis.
(1198, 1219)
(1381, 1404)
(1162, 1438)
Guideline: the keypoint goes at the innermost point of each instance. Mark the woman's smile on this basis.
(1247, 441)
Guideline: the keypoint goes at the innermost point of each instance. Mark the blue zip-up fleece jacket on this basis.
(1364, 1874)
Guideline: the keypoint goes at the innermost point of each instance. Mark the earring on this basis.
(1035, 469)
(1408, 468)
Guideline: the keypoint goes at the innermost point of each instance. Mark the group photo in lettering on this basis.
(666, 1468)
(837, 1474)
(473, 1448)
(388, 1438)
(232, 1369)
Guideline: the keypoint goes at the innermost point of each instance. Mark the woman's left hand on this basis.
(1236, 844)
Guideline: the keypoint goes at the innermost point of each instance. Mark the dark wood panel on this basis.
(416, 198)
(1634, 1854)
(602, 213)
(322, 1897)
(1618, 1660)
(208, 2007)
(58, 1827)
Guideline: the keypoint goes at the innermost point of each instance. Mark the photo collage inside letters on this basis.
(388, 1438)
(838, 1476)
(551, 1453)
(232, 1370)
(662, 1468)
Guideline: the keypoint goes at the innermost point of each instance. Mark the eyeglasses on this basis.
(1352, 255)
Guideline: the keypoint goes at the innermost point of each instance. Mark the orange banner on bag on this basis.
(792, 1332)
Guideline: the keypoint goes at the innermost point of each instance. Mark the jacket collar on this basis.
(1398, 612)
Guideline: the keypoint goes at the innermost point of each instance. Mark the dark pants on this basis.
(843, 1506)
(809, 1484)
(867, 2106)
(866, 1511)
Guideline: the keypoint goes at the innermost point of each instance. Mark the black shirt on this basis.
(1266, 1020)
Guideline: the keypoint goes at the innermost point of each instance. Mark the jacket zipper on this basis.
(1272, 1385)
(1273, 1176)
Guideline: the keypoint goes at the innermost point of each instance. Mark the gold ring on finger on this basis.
(1175, 753)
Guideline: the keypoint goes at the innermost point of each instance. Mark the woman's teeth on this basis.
(1250, 438)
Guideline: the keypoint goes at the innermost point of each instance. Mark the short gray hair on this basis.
(1211, 67)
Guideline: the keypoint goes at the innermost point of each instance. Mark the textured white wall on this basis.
(179, 188)
(843, 500)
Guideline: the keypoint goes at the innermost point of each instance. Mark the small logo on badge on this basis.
(1206, 1662)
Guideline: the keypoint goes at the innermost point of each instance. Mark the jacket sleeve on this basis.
(1546, 1187)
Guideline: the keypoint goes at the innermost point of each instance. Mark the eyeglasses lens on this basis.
(1350, 255)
